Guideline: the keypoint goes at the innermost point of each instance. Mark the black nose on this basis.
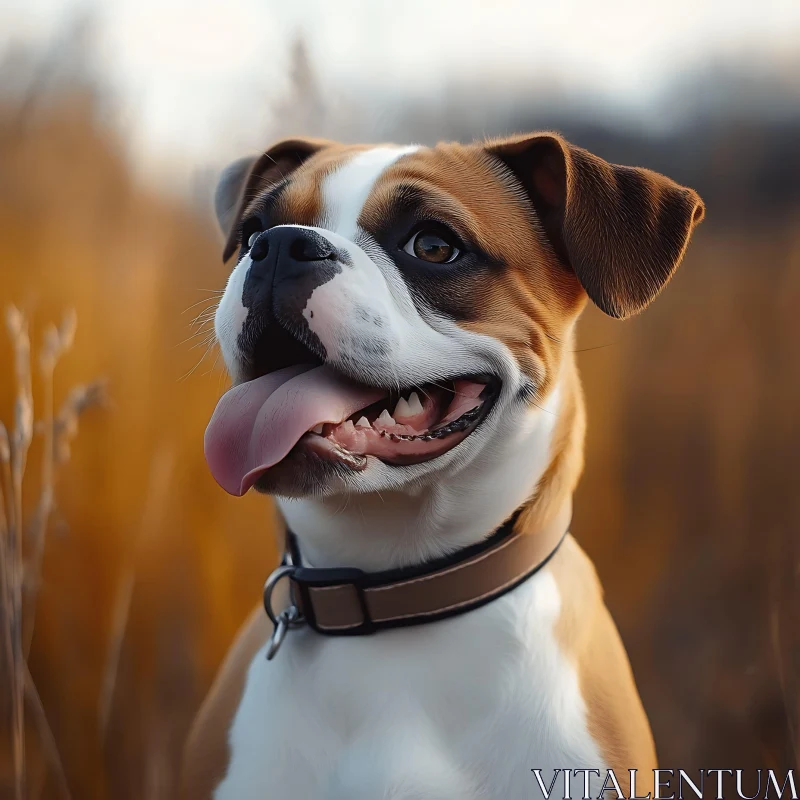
(292, 244)
(287, 264)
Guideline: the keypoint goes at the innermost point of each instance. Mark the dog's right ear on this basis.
(242, 180)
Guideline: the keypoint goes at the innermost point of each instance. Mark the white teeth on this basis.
(385, 418)
(348, 426)
(402, 409)
(363, 423)
(317, 429)
(414, 405)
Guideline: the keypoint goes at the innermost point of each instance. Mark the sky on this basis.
(188, 72)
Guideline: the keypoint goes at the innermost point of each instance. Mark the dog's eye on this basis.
(251, 228)
(430, 246)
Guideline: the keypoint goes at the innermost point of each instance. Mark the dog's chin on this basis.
(303, 473)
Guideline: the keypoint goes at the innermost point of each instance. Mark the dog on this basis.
(399, 328)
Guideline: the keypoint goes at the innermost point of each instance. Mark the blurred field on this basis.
(689, 504)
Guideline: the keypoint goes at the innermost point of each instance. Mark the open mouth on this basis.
(406, 427)
(259, 423)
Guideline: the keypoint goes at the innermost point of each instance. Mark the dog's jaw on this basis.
(427, 519)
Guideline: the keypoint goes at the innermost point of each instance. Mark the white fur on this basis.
(461, 709)
(231, 316)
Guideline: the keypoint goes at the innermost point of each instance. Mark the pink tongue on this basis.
(256, 424)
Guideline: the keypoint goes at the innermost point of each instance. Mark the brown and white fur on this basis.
(465, 708)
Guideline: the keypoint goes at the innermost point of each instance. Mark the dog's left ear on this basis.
(243, 179)
(622, 230)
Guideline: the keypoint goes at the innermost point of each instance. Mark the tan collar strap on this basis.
(350, 602)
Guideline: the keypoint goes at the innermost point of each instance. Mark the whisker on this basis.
(597, 347)
(197, 333)
(192, 370)
(424, 392)
(446, 389)
(207, 341)
(194, 305)
(280, 171)
(542, 408)
(344, 507)
(214, 365)
(203, 316)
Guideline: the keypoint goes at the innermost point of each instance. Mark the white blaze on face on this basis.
(345, 191)
(355, 308)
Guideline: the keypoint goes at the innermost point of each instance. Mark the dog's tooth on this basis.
(386, 418)
(348, 426)
(317, 429)
(402, 409)
(363, 423)
(414, 403)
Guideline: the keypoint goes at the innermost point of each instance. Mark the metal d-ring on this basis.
(290, 617)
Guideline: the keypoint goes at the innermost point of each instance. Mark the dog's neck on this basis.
(535, 465)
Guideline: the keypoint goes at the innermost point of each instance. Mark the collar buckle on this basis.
(287, 619)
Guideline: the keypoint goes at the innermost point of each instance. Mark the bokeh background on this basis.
(116, 116)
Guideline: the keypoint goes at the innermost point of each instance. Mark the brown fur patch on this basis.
(529, 305)
(590, 641)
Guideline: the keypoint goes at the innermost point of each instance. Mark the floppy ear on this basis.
(622, 230)
(242, 180)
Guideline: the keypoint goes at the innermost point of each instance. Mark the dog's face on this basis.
(398, 313)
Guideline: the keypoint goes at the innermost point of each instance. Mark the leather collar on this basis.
(351, 602)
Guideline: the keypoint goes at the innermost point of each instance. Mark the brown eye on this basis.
(431, 247)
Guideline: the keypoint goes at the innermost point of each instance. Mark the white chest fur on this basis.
(462, 709)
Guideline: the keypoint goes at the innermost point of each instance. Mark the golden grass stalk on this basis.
(20, 550)
(21, 437)
(58, 431)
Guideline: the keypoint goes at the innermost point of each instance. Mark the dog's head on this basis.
(396, 314)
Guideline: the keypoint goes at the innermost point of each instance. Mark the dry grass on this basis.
(22, 541)
(146, 569)
(688, 506)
